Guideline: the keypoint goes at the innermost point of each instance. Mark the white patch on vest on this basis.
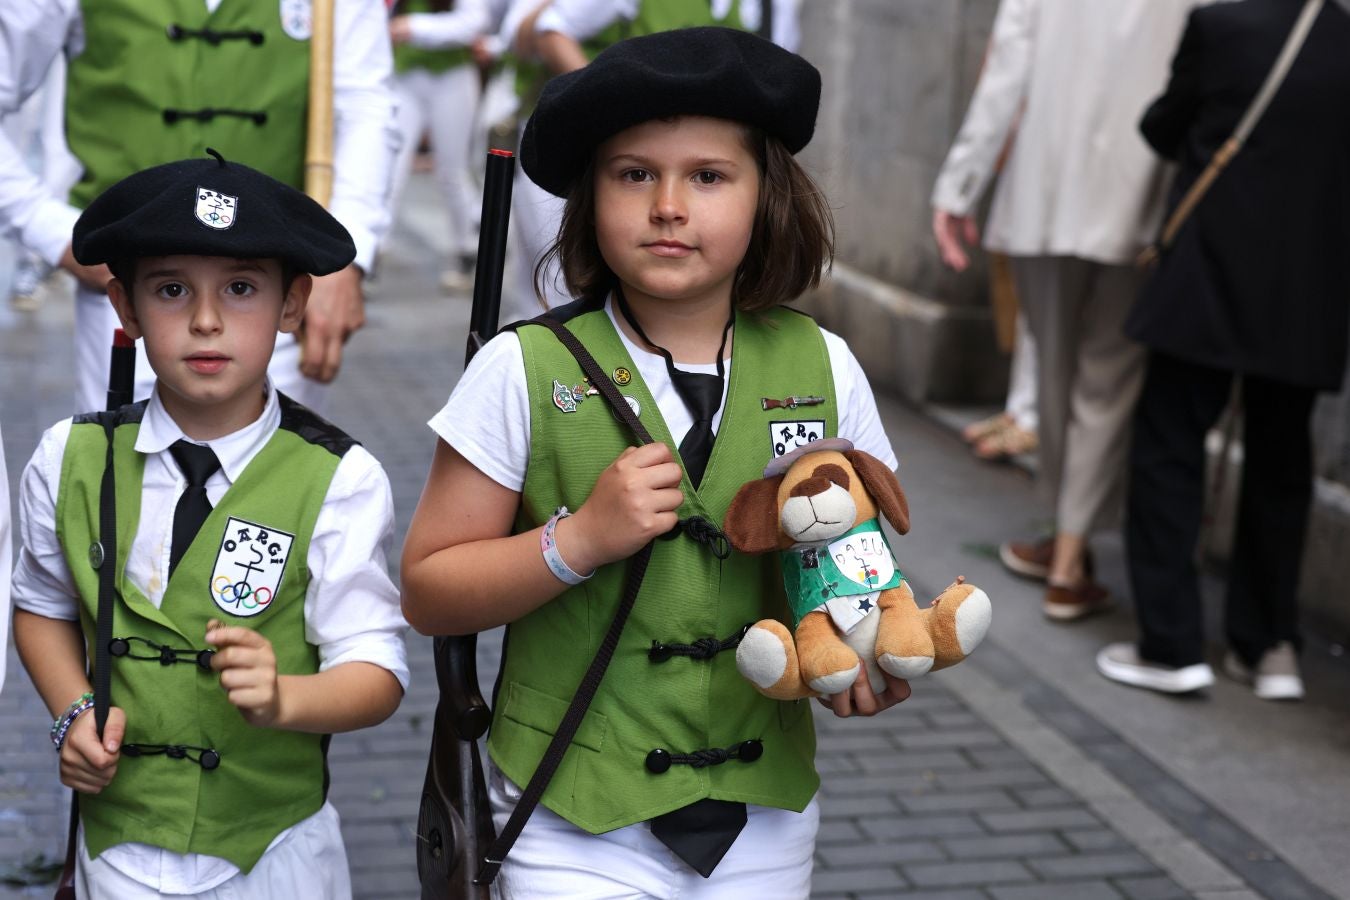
(296, 19)
(847, 612)
(249, 566)
(216, 210)
(784, 437)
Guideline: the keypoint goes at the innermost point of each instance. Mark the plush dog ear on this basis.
(884, 487)
(752, 519)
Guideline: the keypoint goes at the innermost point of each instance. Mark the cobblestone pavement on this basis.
(991, 782)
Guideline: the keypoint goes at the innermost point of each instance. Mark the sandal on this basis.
(977, 431)
(1006, 443)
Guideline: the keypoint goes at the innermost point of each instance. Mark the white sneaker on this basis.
(1121, 662)
(1276, 676)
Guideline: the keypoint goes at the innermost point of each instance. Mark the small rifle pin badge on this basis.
(767, 403)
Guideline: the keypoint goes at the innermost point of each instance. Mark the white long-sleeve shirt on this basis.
(365, 133)
(457, 28)
(352, 611)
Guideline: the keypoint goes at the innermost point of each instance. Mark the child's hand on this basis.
(248, 671)
(634, 500)
(859, 700)
(88, 764)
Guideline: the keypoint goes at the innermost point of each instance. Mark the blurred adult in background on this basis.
(150, 81)
(1255, 288)
(1079, 196)
(438, 85)
(6, 561)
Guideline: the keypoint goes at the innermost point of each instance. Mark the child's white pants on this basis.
(553, 858)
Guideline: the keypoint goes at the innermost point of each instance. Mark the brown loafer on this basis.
(1068, 604)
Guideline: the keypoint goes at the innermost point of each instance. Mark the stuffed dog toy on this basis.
(819, 506)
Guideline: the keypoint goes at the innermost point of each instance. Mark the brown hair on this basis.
(791, 242)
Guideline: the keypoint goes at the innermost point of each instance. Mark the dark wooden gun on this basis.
(454, 824)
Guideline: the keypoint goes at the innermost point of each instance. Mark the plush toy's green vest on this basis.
(408, 58)
(680, 705)
(266, 780)
(152, 86)
(653, 16)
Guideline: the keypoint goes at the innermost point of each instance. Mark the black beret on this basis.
(210, 207)
(718, 72)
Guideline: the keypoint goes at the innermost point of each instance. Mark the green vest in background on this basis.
(136, 93)
(653, 16)
(258, 536)
(681, 705)
(407, 58)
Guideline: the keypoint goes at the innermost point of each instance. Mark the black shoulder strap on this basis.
(107, 579)
(590, 682)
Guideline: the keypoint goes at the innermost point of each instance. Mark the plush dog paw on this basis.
(959, 619)
(767, 658)
(905, 666)
(835, 682)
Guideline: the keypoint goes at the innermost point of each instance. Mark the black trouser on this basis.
(1180, 402)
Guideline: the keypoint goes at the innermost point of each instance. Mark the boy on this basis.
(253, 613)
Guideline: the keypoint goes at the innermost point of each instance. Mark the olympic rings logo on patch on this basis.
(239, 594)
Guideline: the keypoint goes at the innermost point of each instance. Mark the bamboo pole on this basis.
(319, 126)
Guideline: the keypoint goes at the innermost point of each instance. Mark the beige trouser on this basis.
(1088, 380)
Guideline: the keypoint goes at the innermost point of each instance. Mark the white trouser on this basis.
(95, 321)
(553, 858)
(445, 104)
(309, 862)
(1021, 404)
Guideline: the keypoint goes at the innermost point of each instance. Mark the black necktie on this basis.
(702, 832)
(700, 393)
(198, 463)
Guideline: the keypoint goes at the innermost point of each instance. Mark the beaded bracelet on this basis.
(549, 545)
(63, 722)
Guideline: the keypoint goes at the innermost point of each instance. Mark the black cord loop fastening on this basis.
(177, 32)
(660, 760)
(702, 531)
(206, 115)
(207, 758)
(165, 656)
(703, 648)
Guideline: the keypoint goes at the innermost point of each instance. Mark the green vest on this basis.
(267, 780)
(653, 16)
(680, 705)
(134, 76)
(408, 58)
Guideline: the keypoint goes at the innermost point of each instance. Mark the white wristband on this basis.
(549, 545)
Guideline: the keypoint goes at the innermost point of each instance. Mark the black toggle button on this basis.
(175, 32)
(658, 761)
(749, 751)
(659, 652)
(167, 657)
(210, 759)
(118, 647)
(204, 658)
(173, 751)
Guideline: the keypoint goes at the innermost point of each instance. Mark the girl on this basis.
(687, 224)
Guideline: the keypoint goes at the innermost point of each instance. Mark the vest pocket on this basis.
(544, 712)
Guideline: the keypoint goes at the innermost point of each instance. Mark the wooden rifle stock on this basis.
(454, 824)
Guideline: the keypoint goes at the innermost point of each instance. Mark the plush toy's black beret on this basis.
(210, 207)
(717, 72)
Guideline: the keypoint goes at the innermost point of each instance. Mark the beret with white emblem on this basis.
(710, 71)
(210, 207)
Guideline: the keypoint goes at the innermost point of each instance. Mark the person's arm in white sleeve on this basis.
(859, 420)
(42, 583)
(787, 28)
(998, 97)
(560, 29)
(469, 19)
(352, 606)
(32, 34)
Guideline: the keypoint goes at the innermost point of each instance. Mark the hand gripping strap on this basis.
(590, 682)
